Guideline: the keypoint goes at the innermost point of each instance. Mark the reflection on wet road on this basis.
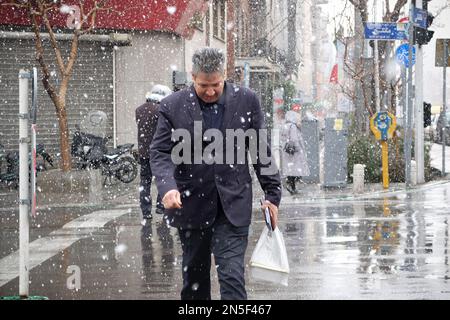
(389, 248)
(392, 248)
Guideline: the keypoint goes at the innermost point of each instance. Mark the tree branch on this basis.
(72, 55)
(59, 60)
(395, 14)
(15, 4)
(40, 58)
(439, 11)
(388, 9)
(354, 3)
(92, 15)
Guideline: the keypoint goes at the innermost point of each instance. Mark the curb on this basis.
(286, 200)
(364, 196)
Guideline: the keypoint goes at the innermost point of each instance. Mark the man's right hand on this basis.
(172, 199)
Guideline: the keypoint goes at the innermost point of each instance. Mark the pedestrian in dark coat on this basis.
(211, 202)
(146, 120)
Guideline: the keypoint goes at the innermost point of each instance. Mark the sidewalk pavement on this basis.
(74, 189)
(77, 189)
(339, 247)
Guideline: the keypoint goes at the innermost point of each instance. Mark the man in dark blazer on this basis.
(211, 203)
(146, 120)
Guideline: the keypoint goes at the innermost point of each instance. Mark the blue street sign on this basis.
(420, 18)
(385, 31)
(402, 55)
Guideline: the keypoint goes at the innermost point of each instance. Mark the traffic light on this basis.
(423, 36)
(425, 4)
(426, 114)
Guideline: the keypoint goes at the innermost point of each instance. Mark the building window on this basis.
(219, 19)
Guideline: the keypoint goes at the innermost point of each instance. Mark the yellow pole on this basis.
(384, 160)
(386, 209)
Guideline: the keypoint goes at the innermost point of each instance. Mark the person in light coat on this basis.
(294, 162)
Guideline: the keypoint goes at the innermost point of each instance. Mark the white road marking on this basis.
(94, 220)
(44, 248)
(339, 239)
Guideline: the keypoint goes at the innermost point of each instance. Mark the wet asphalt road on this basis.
(381, 247)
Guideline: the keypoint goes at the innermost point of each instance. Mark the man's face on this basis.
(208, 86)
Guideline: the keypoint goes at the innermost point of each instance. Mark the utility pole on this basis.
(292, 37)
(404, 96)
(376, 63)
(231, 40)
(377, 75)
(419, 149)
(444, 104)
(408, 131)
(24, 199)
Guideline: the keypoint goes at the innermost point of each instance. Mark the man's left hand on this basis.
(273, 209)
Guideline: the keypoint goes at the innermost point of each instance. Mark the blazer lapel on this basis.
(230, 106)
(193, 106)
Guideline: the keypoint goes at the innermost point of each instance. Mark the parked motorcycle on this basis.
(90, 152)
(9, 164)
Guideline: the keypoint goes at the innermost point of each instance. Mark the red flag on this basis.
(296, 107)
(334, 74)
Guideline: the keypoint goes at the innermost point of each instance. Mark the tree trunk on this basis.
(359, 101)
(66, 162)
(363, 85)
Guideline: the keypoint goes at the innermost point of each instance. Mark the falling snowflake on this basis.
(195, 286)
(171, 9)
(121, 248)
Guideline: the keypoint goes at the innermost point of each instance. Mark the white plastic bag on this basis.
(269, 260)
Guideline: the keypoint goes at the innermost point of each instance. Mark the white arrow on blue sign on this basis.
(402, 55)
(385, 31)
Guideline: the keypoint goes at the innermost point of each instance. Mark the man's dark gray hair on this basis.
(208, 60)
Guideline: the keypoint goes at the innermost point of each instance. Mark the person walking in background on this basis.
(294, 162)
(211, 203)
(147, 120)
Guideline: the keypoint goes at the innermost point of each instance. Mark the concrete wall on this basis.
(305, 36)
(150, 60)
(432, 84)
(200, 40)
(197, 41)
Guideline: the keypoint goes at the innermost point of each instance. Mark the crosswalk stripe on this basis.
(44, 248)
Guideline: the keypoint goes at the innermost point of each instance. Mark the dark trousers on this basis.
(228, 244)
(290, 180)
(145, 197)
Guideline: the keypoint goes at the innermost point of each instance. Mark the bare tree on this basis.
(362, 73)
(389, 87)
(82, 19)
(358, 70)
